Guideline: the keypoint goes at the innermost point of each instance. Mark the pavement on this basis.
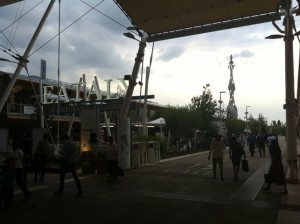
(176, 190)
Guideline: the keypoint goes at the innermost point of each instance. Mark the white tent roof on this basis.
(158, 122)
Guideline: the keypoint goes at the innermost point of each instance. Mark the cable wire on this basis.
(2, 31)
(40, 107)
(65, 28)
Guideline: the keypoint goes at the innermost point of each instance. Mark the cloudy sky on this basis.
(93, 44)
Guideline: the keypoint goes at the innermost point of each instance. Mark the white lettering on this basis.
(124, 83)
(78, 87)
(93, 94)
(108, 81)
(94, 91)
(64, 93)
(46, 93)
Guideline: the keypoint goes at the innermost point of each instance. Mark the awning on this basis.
(165, 19)
(7, 2)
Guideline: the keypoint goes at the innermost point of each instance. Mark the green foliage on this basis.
(235, 126)
(185, 120)
(177, 120)
(258, 125)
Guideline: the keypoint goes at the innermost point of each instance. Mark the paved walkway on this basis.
(159, 193)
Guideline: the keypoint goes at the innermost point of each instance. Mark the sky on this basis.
(93, 44)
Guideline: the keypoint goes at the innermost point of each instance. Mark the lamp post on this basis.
(247, 128)
(220, 102)
(123, 128)
(290, 103)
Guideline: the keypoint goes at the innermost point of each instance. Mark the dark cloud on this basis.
(169, 53)
(93, 41)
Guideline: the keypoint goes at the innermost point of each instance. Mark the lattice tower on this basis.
(231, 87)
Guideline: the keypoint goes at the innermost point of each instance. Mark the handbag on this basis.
(245, 165)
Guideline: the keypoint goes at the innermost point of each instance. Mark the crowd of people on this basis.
(237, 147)
(22, 158)
(16, 166)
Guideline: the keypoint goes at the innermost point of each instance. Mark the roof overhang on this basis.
(7, 2)
(166, 19)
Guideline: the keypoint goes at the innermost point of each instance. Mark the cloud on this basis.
(244, 54)
(93, 44)
(173, 51)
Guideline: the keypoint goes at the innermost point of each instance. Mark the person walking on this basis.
(276, 172)
(242, 140)
(40, 158)
(261, 143)
(17, 156)
(68, 154)
(26, 147)
(235, 154)
(217, 151)
(251, 141)
(270, 137)
(7, 181)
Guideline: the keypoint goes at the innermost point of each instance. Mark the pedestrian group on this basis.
(237, 155)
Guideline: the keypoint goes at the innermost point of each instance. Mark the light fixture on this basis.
(275, 36)
(127, 77)
(131, 36)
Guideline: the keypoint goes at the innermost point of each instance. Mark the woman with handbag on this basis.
(217, 150)
(276, 172)
(235, 154)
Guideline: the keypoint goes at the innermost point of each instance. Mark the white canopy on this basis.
(158, 122)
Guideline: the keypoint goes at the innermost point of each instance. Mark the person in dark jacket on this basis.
(40, 158)
(7, 180)
(261, 143)
(235, 154)
(251, 141)
(68, 164)
(276, 172)
(26, 147)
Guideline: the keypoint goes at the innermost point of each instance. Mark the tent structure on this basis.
(166, 19)
(7, 2)
(158, 122)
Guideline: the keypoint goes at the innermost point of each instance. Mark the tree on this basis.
(177, 120)
(235, 126)
(204, 109)
(258, 125)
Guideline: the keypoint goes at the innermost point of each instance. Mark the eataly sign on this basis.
(93, 93)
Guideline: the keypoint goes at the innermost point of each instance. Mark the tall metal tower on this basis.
(232, 110)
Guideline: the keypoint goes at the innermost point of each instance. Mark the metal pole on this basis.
(145, 128)
(220, 101)
(290, 105)
(22, 63)
(135, 70)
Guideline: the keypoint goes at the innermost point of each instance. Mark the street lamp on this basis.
(247, 117)
(131, 36)
(290, 103)
(220, 102)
